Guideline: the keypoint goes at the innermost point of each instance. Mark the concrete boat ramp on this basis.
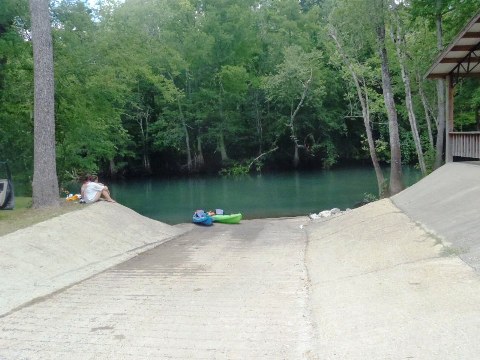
(395, 279)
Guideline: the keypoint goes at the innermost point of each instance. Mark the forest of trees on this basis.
(162, 87)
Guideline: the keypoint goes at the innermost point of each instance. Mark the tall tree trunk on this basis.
(187, 144)
(396, 181)
(187, 136)
(184, 126)
(426, 109)
(362, 94)
(45, 181)
(142, 120)
(199, 159)
(368, 129)
(146, 163)
(441, 104)
(221, 138)
(258, 123)
(221, 147)
(441, 123)
(112, 168)
(293, 114)
(400, 45)
(296, 157)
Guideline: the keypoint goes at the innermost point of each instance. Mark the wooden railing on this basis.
(465, 144)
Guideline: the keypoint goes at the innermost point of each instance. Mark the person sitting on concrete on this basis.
(93, 191)
(86, 180)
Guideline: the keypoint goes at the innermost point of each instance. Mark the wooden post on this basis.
(449, 122)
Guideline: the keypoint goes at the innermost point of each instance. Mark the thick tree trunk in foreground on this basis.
(45, 181)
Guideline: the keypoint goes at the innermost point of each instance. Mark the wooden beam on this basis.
(471, 35)
(470, 75)
(462, 47)
(444, 75)
(472, 59)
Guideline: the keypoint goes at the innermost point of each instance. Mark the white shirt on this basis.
(91, 190)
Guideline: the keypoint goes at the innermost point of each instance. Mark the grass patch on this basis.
(23, 215)
(452, 251)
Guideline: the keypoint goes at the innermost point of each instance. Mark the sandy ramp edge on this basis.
(41, 259)
(382, 288)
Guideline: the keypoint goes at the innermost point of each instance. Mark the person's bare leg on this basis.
(106, 195)
(97, 196)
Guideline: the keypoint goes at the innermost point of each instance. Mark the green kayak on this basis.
(227, 219)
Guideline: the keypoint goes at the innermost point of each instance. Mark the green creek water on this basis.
(256, 196)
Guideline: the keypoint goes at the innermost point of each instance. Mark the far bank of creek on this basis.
(255, 196)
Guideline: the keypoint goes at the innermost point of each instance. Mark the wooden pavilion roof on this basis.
(462, 57)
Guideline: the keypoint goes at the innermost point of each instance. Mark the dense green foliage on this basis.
(184, 86)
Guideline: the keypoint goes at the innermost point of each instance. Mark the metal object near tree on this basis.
(7, 197)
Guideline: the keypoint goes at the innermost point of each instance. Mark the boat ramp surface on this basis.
(372, 283)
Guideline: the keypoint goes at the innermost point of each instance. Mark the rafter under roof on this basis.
(462, 57)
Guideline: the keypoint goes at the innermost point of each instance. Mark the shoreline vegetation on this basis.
(247, 101)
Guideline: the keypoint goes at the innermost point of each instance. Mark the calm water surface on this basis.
(256, 196)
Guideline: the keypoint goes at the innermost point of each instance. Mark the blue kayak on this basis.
(202, 218)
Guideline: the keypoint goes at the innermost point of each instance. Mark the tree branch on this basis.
(261, 155)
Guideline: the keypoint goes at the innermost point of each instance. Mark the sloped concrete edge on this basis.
(447, 203)
(41, 259)
(383, 288)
